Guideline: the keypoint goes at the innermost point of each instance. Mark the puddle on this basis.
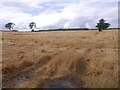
(59, 84)
(18, 79)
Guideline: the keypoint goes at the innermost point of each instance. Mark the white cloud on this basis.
(69, 15)
(60, 0)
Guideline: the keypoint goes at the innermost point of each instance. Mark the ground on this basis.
(86, 59)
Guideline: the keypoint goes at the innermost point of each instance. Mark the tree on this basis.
(102, 25)
(32, 25)
(9, 25)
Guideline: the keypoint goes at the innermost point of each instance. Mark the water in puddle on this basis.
(59, 84)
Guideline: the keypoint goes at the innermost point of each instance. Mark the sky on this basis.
(52, 14)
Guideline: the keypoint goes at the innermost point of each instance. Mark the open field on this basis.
(86, 59)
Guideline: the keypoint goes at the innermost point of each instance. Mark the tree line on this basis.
(101, 25)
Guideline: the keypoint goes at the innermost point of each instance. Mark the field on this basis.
(70, 59)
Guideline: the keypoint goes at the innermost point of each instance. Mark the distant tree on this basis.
(102, 25)
(15, 30)
(32, 25)
(9, 25)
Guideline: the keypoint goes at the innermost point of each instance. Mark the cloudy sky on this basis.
(50, 14)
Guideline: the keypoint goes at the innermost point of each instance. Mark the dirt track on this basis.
(78, 58)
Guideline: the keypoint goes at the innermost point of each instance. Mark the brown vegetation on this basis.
(86, 59)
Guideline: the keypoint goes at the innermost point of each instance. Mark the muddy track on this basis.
(71, 81)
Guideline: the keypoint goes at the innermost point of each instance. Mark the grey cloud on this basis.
(15, 4)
